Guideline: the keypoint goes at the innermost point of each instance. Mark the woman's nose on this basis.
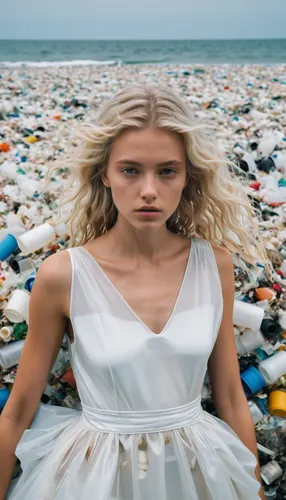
(149, 186)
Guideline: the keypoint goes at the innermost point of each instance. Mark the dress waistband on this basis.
(135, 422)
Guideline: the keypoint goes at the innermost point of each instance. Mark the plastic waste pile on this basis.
(39, 107)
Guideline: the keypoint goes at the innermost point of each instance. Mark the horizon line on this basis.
(136, 39)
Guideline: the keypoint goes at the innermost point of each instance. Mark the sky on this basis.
(144, 19)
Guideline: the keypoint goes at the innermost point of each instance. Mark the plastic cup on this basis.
(271, 472)
(273, 367)
(252, 380)
(247, 315)
(22, 266)
(6, 332)
(7, 246)
(277, 403)
(256, 412)
(17, 309)
(10, 355)
(26, 266)
(37, 238)
(248, 341)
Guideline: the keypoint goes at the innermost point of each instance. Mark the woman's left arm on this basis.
(223, 367)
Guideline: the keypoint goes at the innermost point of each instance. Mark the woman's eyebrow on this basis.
(137, 164)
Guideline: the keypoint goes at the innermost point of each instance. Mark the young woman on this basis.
(145, 293)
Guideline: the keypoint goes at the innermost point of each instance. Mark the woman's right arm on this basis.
(44, 338)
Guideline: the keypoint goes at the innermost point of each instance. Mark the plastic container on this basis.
(35, 239)
(22, 266)
(7, 246)
(270, 329)
(267, 145)
(10, 355)
(252, 380)
(247, 315)
(248, 341)
(271, 493)
(256, 412)
(271, 472)
(6, 333)
(17, 309)
(273, 367)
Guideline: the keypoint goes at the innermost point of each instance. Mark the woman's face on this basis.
(146, 167)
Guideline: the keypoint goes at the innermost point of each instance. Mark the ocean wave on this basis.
(46, 64)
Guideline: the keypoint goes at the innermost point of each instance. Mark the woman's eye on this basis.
(171, 170)
(130, 168)
(168, 170)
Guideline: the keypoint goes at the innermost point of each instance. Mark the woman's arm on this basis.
(42, 344)
(228, 394)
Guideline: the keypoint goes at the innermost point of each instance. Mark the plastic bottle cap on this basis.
(252, 380)
(277, 403)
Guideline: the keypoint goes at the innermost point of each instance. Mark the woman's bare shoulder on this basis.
(224, 261)
(55, 270)
(221, 252)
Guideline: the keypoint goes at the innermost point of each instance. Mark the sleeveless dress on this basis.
(142, 433)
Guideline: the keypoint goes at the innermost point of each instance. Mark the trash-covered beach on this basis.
(246, 104)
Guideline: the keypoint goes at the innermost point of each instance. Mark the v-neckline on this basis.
(189, 259)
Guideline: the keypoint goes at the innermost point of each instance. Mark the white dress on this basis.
(142, 433)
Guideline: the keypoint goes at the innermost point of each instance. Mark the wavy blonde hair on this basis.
(213, 205)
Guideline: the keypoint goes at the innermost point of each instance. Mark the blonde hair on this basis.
(213, 205)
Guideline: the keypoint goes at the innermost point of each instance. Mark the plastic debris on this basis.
(246, 106)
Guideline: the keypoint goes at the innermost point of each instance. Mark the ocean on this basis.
(46, 52)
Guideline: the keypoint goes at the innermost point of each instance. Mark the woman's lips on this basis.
(147, 213)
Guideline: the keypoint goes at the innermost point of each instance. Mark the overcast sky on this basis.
(143, 19)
